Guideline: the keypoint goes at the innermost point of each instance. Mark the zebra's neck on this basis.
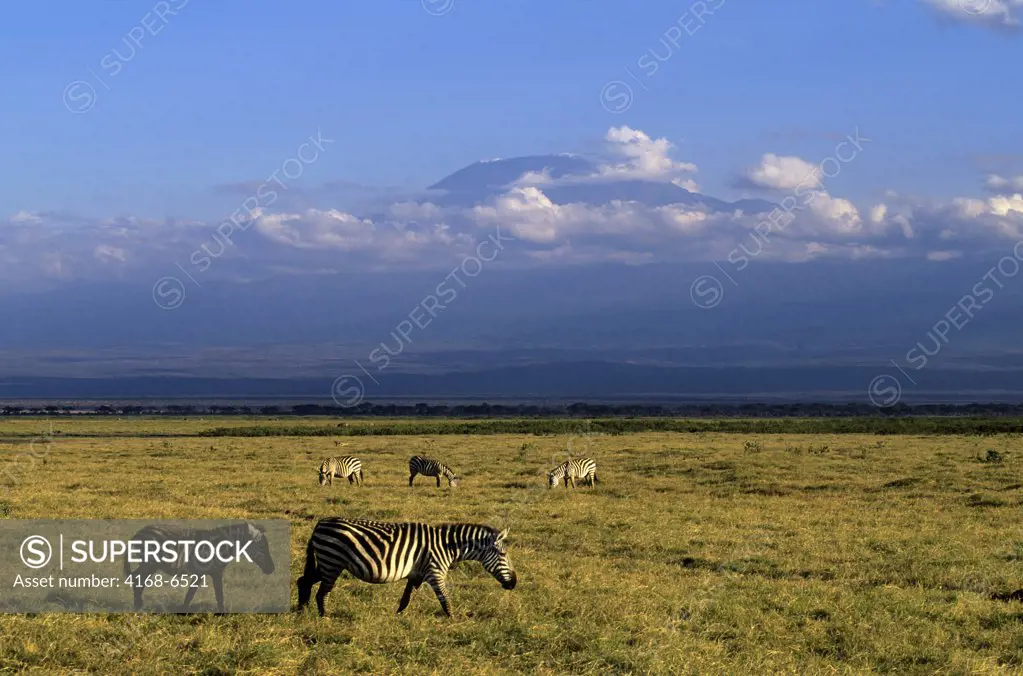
(446, 471)
(462, 542)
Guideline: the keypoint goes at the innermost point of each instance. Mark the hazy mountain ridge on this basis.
(595, 330)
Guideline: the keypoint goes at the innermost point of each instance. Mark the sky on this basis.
(171, 113)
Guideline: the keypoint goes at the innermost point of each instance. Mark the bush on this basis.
(751, 446)
(981, 426)
(992, 456)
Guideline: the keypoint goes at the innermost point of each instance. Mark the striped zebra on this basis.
(584, 469)
(345, 467)
(258, 551)
(388, 552)
(420, 464)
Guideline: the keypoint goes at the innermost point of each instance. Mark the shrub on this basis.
(992, 456)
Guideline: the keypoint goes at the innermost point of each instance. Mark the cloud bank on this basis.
(810, 223)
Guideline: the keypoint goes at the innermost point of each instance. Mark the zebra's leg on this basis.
(189, 595)
(412, 585)
(310, 576)
(438, 481)
(140, 575)
(218, 588)
(572, 479)
(360, 477)
(411, 476)
(440, 587)
(321, 595)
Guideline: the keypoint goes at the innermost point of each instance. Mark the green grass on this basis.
(697, 553)
(320, 426)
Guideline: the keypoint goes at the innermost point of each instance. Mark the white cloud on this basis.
(336, 230)
(107, 253)
(23, 217)
(405, 234)
(687, 183)
(1000, 184)
(642, 157)
(877, 214)
(1004, 14)
(840, 215)
(782, 172)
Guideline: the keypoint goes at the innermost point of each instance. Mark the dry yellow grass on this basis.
(825, 554)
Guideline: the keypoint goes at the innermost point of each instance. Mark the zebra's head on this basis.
(259, 550)
(493, 554)
(552, 479)
(324, 472)
(453, 481)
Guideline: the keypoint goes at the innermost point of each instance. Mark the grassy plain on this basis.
(697, 553)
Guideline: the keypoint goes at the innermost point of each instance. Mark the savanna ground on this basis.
(697, 553)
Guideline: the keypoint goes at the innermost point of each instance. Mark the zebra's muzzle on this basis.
(510, 583)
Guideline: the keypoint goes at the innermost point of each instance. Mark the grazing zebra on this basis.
(420, 464)
(570, 470)
(258, 551)
(387, 552)
(345, 467)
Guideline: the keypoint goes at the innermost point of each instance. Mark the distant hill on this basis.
(484, 175)
(482, 181)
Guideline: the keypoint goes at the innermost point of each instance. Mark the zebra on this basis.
(238, 532)
(420, 464)
(345, 466)
(570, 470)
(388, 552)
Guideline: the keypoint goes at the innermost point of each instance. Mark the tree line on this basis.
(527, 410)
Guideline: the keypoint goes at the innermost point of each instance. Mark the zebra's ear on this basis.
(502, 535)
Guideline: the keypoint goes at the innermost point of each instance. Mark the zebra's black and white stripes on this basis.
(345, 467)
(420, 464)
(584, 469)
(387, 552)
(258, 552)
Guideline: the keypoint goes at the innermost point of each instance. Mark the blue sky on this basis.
(226, 89)
(134, 129)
